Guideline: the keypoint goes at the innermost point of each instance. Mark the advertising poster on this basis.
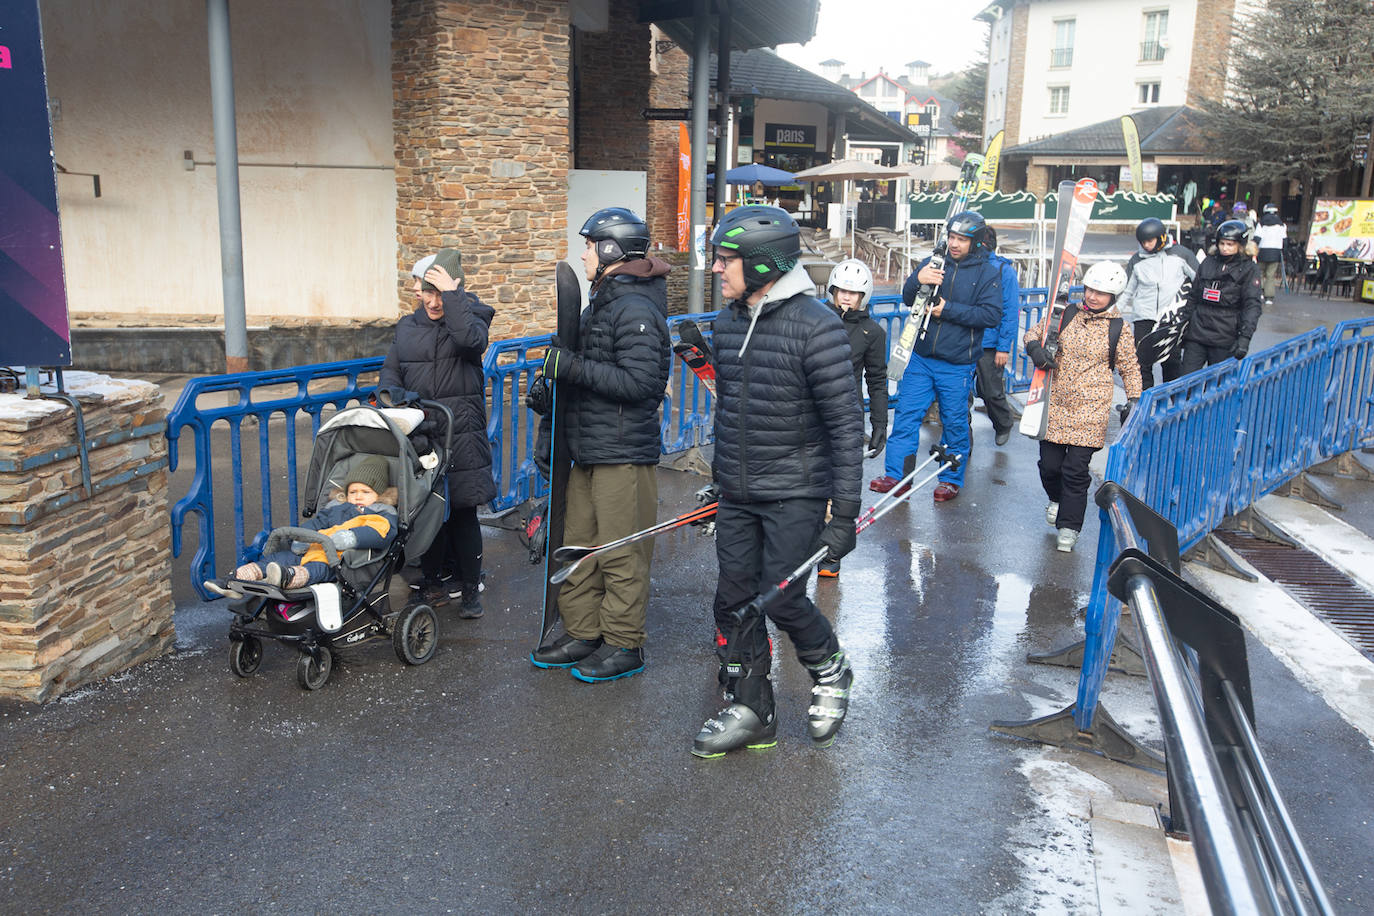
(33, 298)
(1344, 226)
(684, 184)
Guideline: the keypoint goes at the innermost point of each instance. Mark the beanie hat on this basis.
(450, 259)
(371, 471)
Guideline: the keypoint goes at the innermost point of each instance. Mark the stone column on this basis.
(85, 587)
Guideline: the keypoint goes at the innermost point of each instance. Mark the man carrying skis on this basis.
(942, 362)
(615, 380)
(789, 437)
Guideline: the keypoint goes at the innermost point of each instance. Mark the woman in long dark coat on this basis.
(438, 353)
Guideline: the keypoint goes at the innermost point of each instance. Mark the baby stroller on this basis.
(319, 619)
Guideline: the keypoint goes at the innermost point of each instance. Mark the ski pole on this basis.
(763, 600)
(896, 489)
(575, 555)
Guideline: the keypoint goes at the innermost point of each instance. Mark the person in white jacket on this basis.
(1157, 271)
(1270, 236)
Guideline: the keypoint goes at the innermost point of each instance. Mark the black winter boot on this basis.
(829, 697)
(609, 663)
(748, 720)
(564, 652)
(470, 606)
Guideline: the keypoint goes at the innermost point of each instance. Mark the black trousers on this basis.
(1064, 475)
(1196, 355)
(1170, 368)
(990, 385)
(457, 548)
(757, 545)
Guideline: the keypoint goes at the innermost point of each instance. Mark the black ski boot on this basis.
(749, 721)
(470, 605)
(829, 696)
(564, 652)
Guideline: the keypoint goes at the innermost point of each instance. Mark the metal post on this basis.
(722, 122)
(227, 185)
(701, 85)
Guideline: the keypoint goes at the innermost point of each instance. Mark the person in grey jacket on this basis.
(1156, 273)
(789, 437)
(615, 379)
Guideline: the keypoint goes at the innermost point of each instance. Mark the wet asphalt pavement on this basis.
(477, 783)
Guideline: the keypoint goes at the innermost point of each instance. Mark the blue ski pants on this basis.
(927, 379)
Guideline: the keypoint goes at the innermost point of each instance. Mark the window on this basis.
(1061, 55)
(889, 89)
(1147, 93)
(1156, 38)
(932, 114)
(1059, 100)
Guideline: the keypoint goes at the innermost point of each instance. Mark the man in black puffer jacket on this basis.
(789, 435)
(615, 378)
(438, 353)
(1224, 304)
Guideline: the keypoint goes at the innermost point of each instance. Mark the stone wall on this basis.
(85, 587)
(1016, 77)
(668, 88)
(481, 92)
(1211, 50)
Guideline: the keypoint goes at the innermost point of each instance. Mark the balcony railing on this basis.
(1151, 50)
(1061, 57)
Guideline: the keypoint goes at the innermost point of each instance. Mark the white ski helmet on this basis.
(1106, 277)
(852, 274)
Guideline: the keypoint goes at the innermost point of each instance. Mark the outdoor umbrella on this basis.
(934, 171)
(847, 170)
(749, 174)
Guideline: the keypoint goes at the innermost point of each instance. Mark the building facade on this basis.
(909, 100)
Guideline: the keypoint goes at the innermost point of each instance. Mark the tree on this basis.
(1300, 89)
(968, 89)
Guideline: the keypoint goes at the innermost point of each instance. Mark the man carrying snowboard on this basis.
(789, 437)
(616, 379)
(1157, 272)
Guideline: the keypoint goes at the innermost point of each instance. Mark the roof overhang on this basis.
(753, 23)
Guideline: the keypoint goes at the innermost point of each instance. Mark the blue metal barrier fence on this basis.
(1207, 445)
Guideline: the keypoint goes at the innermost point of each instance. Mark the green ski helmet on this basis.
(767, 238)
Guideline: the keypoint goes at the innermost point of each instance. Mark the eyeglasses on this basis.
(725, 260)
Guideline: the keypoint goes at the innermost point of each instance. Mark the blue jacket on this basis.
(1001, 337)
(973, 302)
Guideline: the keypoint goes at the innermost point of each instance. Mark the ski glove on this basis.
(877, 440)
(838, 536)
(1242, 347)
(561, 364)
(1124, 410)
(539, 398)
(1041, 357)
(708, 494)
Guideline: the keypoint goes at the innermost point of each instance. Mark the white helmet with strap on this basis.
(852, 274)
(1106, 277)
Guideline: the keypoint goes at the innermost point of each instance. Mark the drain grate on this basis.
(1323, 589)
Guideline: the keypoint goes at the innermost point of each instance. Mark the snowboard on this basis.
(1071, 224)
(1165, 339)
(569, 293)
(919, 319)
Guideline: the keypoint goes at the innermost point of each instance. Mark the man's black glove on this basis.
(877, 439)
(1124, 410)
(1040, 356)
(838, 536)
(1241, 347)
(708, 494)
(560, 363)
(540, 397)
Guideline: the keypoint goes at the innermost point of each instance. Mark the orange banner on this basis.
(684, 185)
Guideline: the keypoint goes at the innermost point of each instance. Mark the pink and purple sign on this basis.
(33, 297)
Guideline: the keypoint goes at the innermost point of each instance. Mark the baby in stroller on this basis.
(361, 516)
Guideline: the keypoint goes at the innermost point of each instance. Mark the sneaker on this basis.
(733, 727)
(564, 652)
(829, 569)
(609, 663)
(1065, 541)
(1002, 436)
(469, 607)
(945, 492)
(885, 483)
(1052, 513)
(435, 594)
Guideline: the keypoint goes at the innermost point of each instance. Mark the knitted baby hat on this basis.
(371, 471)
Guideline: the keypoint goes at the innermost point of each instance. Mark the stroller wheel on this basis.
(245, 655)
(415, 634)
(312, 674)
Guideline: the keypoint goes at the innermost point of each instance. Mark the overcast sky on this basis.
(869, 34)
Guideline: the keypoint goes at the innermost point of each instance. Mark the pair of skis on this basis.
(919, 319)
(1071, 225)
